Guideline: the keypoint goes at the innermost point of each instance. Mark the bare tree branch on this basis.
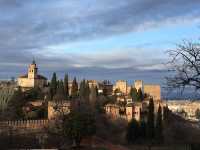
(185, 60)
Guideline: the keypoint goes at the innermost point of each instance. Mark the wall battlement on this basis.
(25, 124)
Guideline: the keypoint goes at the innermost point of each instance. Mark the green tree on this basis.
(117, 91)
(133, 94)
(140, 96)
(132, 132)
(66, 86)
(53, 85)
(159, 126)
(166, 115)
(14, 109)
(142, 130)
(78, 125)
(84, 91)
(34, 94)
(150, 120)
(60, 93)
(74, 91)
(93, 94)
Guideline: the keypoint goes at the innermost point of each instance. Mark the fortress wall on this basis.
(154, 91)
(138, 84)
(24, 124)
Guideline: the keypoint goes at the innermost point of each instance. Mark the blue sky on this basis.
(93, 33)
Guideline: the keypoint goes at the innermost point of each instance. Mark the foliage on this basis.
(74, 91)
(84, 91)
(134, 94)
(166, 115)
(60, 93)
(14, 110)
(117, 90)
(79, 124)
(66, 86)
(53, 85)
(140, 95)
(93, 94)
(132, 131)
(34, 94)
(38, 113)
(142, 130)
(150, 120)
(159, 126)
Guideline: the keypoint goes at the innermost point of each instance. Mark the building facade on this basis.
(32, 79)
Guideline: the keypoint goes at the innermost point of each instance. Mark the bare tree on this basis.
(185, 60)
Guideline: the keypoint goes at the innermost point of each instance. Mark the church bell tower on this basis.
(32, 70)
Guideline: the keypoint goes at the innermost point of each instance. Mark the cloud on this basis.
(30, 27)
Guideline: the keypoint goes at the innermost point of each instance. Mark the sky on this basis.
(85, 37)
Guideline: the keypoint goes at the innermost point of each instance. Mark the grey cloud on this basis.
(29, 26)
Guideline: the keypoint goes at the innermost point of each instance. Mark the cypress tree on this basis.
(93, 94)
(150, 120)
(159, 127)
(166, 115)
(133, 94)
(74, 91)
(82, 89)
(87, 91)
(53, 85)
(66, 86)
(140, 96)
(132, 132)
(59, 92)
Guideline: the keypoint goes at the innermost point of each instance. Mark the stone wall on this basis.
(122, 86)
(138, 84)
(24, 124)
(153, 91)
(58, 108)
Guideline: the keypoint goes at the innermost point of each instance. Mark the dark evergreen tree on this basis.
(74, 91)
(140, 96)
(150, 120)
(14, 110)
(53, 85)
(79, 124)
(159, 126)
(66, 86)
(60, 93)
(87, 91)
(166, 115)
(97, 91)
(132, 132)
(143, 128)
(93, 94)
(133, 94)
(84, 91)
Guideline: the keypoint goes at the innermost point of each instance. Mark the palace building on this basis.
(32, 79)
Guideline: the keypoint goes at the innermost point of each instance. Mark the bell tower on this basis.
(32, 70)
